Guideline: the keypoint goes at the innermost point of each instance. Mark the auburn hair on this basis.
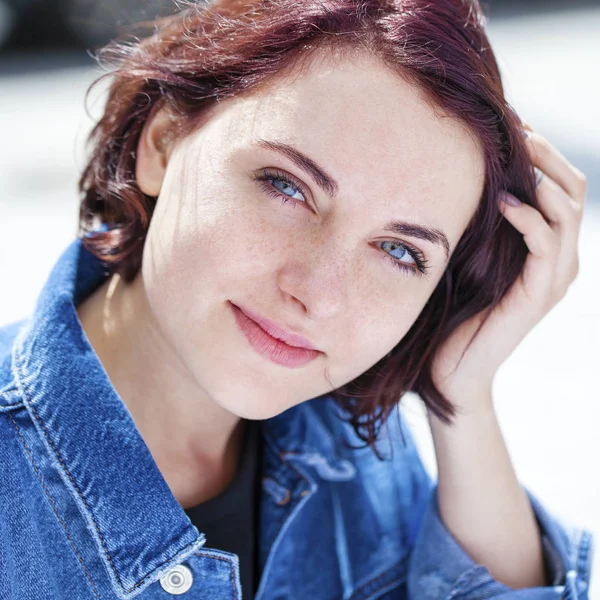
(213, 50)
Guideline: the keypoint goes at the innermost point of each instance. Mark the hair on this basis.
(210, 51)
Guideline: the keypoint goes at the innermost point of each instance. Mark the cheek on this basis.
(209, 257)
(372, 330)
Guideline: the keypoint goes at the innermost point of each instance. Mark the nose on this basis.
(319, 280)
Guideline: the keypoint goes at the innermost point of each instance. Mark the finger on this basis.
(565, 220)
(543, 244)
(560, 210)
(541, 240)
(552, 262)
(554, 164)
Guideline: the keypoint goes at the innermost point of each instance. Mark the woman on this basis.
(292, 214)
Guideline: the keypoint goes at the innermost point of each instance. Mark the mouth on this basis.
(269, 346)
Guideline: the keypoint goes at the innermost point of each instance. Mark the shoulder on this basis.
(8, 334)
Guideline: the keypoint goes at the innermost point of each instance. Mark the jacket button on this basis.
(178, 580)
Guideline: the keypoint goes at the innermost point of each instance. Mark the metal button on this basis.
(178, 580)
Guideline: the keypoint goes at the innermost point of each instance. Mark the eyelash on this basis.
(422, 264)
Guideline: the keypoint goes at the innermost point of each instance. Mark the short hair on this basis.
(210, 51)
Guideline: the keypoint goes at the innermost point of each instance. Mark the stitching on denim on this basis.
(231, 568)
(290, 507)
(356, 595)
(92, 514)
(281, 454)
(574, 541)
(54, 507)
(84, 500)
(579, 547)
(460, 585)
(584, 553)
(287, 462)
(281, 501)
(73, 481)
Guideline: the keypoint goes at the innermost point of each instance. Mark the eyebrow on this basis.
(330, 186)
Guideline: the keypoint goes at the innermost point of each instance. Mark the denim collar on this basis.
(99, 452)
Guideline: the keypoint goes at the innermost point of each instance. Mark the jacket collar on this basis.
(88, 431)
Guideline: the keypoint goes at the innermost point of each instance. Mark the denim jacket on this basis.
(86, 514)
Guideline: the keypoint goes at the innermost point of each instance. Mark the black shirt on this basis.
(230, 520)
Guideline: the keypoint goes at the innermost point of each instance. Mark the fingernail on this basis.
(525, 133)
(538, 176)
(509, 198)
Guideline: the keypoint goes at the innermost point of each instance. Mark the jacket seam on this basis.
(231, 569)
(292, 509)
(54, 507)
(85, 501)
(461, 584)
(358, 594)
(585, 550)
(282, 455)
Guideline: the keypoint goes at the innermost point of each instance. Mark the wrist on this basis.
(470, 401)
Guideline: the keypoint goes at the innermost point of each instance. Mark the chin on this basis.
(257, 410)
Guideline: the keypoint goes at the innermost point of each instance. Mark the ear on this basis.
(153, 153)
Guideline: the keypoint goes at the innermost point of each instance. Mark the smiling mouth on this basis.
(270, 347)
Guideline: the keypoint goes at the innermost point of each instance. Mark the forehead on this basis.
(377, 134)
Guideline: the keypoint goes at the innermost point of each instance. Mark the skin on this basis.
(480, 498)
(318, 268)
(169, 341)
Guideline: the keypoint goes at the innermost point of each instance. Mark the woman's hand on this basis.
(480, 499)
(550, 268)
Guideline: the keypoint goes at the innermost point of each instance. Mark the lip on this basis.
(274, 330)
(267, 345)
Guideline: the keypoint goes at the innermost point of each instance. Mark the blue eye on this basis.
(286, 184)
(419, 261)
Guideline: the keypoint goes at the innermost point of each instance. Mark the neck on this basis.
(195, 442)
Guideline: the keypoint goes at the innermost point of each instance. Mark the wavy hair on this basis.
(210, 51)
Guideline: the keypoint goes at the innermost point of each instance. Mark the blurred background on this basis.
(547, 394)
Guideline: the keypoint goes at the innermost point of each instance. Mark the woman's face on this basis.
(320, 265)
